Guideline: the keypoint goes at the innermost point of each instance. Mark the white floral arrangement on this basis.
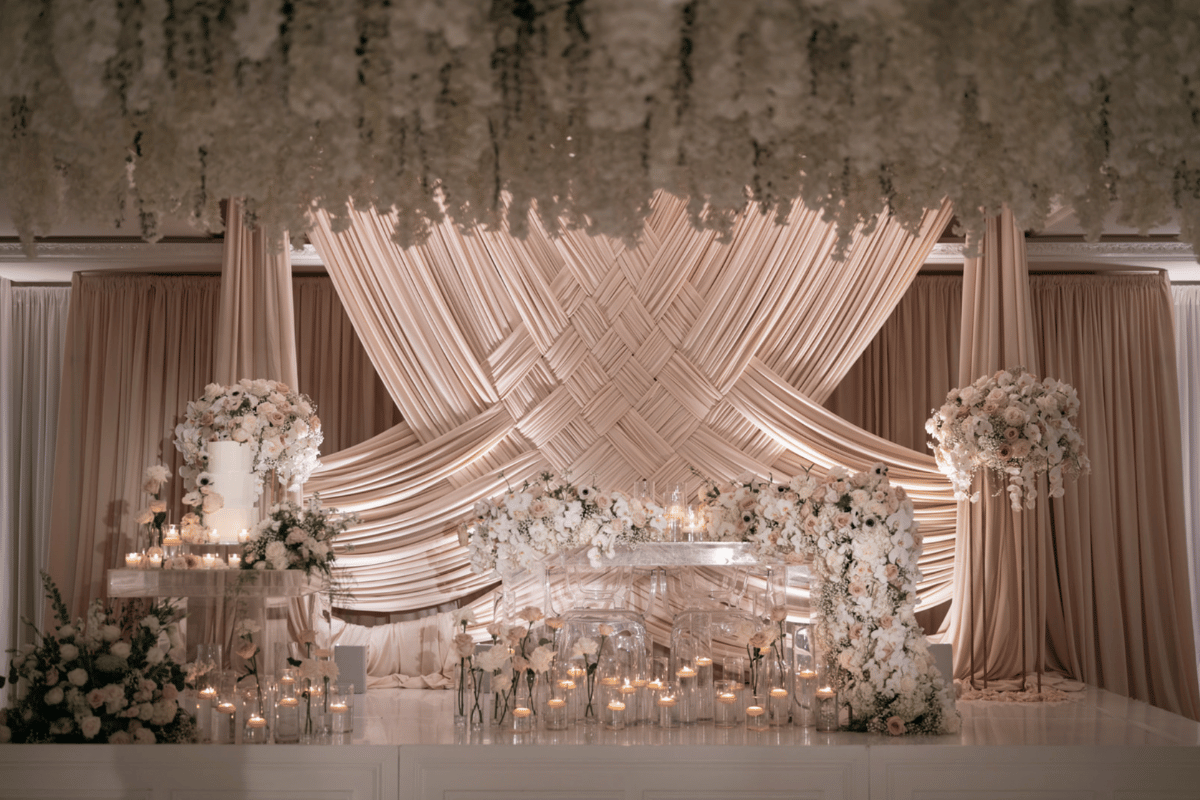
(113, 678)
(281, 426)
(864, 543)
(855, 108)
(520, 528)
(1014, 425)
(295, 537)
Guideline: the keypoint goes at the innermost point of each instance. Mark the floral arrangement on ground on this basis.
(864, 543)
(280, 425)
(1014, 425)
(113, 677)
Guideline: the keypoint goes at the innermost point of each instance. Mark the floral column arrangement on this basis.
(1014, 425)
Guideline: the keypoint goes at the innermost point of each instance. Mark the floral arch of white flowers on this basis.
(483, 109)
(857, 529)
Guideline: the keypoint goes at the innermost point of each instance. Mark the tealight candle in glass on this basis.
(667, 705)
(825, 709)
(210, 560)
(806, 687)
(725, 708)
(287, 719)
(341, 709)
(225, 722)
(255, 730)
(558, 699)
(522, 712)
(133, 561)
(234, 561)
(155, 560)
(206, 701)
(756, 714)
(614, 718)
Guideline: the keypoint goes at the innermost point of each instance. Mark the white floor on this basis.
(1100, 746)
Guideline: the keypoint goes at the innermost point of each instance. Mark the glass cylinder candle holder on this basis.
(522, 710)
(667, 706)
(628, 694)
(614, 715)
(154, 560)
(756, 714)
(557, 700)
(255, 730)
(287, 719)
(341, 709)
(806, 687)
(825, 709)
(133, 561)
(206, 703)
(225, 722)
(725, 704)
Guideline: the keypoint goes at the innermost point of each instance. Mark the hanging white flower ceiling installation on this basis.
(480, 108)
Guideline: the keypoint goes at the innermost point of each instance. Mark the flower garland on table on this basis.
(114, 677)
(292, 537)
(521, 527)
(859, 530)
(281, 426)
(1014, 425)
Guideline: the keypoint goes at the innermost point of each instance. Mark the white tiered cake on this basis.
(231, 465)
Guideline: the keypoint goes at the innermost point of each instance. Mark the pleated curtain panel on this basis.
(681, 355)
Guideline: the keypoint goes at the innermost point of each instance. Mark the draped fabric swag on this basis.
(1115, 587)
(998, 607)
(589, 358)
(255, 327)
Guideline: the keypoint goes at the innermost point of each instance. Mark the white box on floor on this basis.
(352, 667)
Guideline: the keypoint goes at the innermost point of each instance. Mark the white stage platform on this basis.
(405, 746)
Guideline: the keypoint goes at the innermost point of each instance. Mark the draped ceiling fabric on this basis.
(997, 618)
(255, 327)
(682, 356)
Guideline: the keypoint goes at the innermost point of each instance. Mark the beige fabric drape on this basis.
(256, 327)
(909, 366)
(335, 371)
(138, 348)
(1114, 586)
(998, 609)
(581, 355)
(1118, 535)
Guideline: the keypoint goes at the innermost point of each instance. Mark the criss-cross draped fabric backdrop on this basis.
(682, 356)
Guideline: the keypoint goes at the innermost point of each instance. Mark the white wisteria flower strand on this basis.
(484, 109)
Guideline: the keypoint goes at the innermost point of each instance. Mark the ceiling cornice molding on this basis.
(1156, 254)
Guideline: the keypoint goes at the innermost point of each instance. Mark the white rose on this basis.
(77, 676)
(89, 726)
(69, 652)
(155, 655)
(54, 696)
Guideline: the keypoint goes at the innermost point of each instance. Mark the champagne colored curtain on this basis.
(256, 329)
(509, 356)
(33, 326)
(998, 609)
(138, 348)
(1187, 344)
(1119, 535)
(909, 366)
(1112, 565)
(335, 371)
